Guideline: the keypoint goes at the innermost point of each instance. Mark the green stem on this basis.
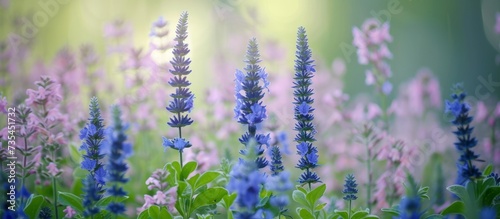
(493, 143)
(180, 136)
(349, 211)
(385, 117)
(369, 170)
(54, 187)
(23, 176)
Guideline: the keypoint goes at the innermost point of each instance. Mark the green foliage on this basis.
(473, 197)
(33, 205)
(309, 202)
(193, 193)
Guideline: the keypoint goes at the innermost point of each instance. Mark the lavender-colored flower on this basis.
(466, 142)
(3, 104)
(182, 98)
(246, 181)
(487, 213)
(92, 136)
(182, 102)
(276, 165)
(350, 189)
(304, 70)
(249, 92)
(176, 143)
(69, 212)
(371, 43)
(118, 150)
(497, 23)
(279, 184)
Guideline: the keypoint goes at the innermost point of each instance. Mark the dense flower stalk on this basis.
(182, 102)
(45, 118)
(410, 205)
(249, 110)
(92, 136)
(304, 69)
(279, 185)
(246, 181)
(276, 165)
(165, 195)
(117, 150)
(350, 191)
(371, 43)
(465, 141)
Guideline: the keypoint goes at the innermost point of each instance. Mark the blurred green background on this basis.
(455, 39)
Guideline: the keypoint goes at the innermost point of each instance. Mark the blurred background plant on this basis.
(119, 52)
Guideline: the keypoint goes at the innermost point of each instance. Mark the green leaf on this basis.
(343, 214)
(74, 153)
(488, 170)
(298, 187)
(489, 195)
(154, 211)
(193, 179)
(188, 168)
(228, 200)
(371, 216)
(320, 207)
(79, 173)
(434, 216)
(391, 211)
(184, 189)
(144, 215)
(230, 215)
(304, 213)
(315, 194)
(210, 196)
(459, 191)
(74, 201)
(299, 197)
(173, 175)
(108, 199)
(206, 178)
(165, 214)
(456, 207)
(33, 205)
(359, 215)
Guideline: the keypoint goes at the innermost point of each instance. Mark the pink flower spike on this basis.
(69, 212)
(370, 78)
(481, 111)
(3, 105)
(338, 66)
(52, 168)
(497, 24)
(160, 198)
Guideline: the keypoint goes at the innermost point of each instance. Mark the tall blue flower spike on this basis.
(118, 150)
(249, 110)
(182, 102)
(246, 181)
(92, 136)
(304, 70)
(459, 110)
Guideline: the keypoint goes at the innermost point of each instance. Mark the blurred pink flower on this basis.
(3, 104)
(119, 34)
(160, 198)
(52, 169)
(370, 78)
(481, 111)
(70, 213)
(497, 23)
(148, 201)
(338, 66)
